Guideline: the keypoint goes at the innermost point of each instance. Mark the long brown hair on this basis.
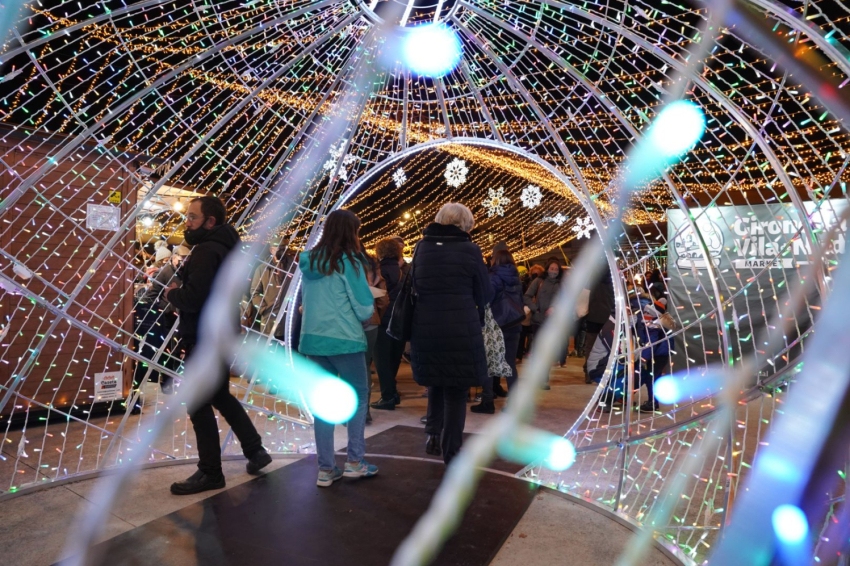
(502, 257)
(339, 239)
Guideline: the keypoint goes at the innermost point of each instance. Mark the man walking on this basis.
(211, 240)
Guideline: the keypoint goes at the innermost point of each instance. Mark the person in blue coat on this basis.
(447, 343)
(654, 345)
(336, 303)
(507, 307)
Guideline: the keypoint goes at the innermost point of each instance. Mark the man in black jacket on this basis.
(211, 240)
(599, 306)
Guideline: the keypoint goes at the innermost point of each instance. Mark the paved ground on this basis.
(554, 530)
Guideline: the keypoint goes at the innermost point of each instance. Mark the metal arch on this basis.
(592, 211)
(464, 67)
(718, 97)
(292, 145)
(523, 92)
(637, 135)
(89, 132)
(439, 86)
(493, 144)
(406, 152)
(835, 51)
(21, 376)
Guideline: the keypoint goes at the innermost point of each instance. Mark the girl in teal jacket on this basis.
(337, 301)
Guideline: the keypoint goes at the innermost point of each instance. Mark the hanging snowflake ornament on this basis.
(496, 202)
(331, 164)
(399, 178)
(559, 219)
(456, 172)
(583, 227)
(531, 196)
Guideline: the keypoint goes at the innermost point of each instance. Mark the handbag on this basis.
(494, 344)
(507, 312)
(400, 326)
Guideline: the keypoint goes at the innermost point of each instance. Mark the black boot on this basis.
(384, 404)
(486, 407)
(258, 461)
(198, 482)
(432, 445)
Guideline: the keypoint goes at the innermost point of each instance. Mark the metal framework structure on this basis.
(113, 114)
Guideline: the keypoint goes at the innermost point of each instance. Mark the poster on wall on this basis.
(758, 254)
(99, 217)
(107, 386)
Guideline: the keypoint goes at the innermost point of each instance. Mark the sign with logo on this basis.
(753, 237)
(114, 197)
(107, 386)
(757, 255)
(100, 217)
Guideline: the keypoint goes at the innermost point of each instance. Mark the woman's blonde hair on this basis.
(456, 214)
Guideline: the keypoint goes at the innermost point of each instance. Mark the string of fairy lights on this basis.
(163, 84)
(698, 150)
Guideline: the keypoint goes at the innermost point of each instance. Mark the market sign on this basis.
(759, 254)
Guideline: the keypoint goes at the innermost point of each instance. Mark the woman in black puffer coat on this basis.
(447, 345)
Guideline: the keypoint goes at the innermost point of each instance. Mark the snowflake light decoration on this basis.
(583, 227)
(399, 178)
(559, 219)
(456, 172)
(531, 196)
(330, 165)
(496, 202)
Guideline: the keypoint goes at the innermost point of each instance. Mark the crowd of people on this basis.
(474, 320)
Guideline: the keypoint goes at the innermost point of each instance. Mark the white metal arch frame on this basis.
(488, 90)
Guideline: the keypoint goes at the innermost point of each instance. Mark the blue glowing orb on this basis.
(666, 390)
(332, 400)
(790, 524)
(561, 456)
(431, 50)
(676, 129)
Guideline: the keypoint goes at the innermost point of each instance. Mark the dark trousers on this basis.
(526, 333)
(446, 417)
(512, 340)
(206, 427)
(154, 325)
(388, 353)
(652, 370)
(591, 332)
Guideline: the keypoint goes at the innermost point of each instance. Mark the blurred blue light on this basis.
(676, 129)
(299, 380)
(431, 50)
(561, 456)
(667, 390)
(332, 400)
(683, 386)
(790, 525)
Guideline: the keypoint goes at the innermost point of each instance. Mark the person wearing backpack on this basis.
(507, 308)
